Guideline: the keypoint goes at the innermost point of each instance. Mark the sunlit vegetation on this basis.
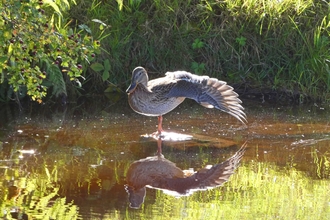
(275, 47)
(40, 52)
(271, 47)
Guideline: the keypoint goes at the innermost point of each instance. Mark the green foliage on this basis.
(197, 44)
(105, 68)
(198, 68)
(277, 45)
(38, 51)
(264, 44)
(241, 41)
(56, 80)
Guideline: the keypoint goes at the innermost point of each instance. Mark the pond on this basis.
(80, 162)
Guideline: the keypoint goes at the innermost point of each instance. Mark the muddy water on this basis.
(73, 162)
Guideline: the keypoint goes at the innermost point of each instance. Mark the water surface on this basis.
(71, 163)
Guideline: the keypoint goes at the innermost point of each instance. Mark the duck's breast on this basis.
(153, 102)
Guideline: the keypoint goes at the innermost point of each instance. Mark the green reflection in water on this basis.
(79, 169)
(32, 194)
(258, 190)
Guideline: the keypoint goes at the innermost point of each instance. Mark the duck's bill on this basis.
(131, 88)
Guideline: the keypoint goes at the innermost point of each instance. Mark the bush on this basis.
(39, 52)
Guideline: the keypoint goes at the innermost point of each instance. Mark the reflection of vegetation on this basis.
(322, 164)
(39, 185)
(33, 195)
(256, 191)
(83, 164)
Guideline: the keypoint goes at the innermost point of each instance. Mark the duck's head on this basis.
(139, 75)
(135, 196)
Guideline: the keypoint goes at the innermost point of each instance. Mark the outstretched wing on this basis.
(209, 92)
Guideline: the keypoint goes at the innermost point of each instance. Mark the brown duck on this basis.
(160, 96)
(160, 173)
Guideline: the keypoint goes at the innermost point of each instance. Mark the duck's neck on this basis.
(144, 80)
(143, 87)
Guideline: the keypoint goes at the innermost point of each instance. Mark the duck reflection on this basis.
(160, 173)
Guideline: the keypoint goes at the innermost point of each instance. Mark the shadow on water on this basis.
(74, 163)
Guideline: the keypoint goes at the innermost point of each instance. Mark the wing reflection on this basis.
(160, 173)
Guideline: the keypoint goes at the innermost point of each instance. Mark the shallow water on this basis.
(71, 163)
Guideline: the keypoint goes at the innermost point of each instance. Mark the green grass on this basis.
(278, 45)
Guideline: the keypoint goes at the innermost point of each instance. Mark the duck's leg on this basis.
(160, 122)
(159, 133)
(159, 145)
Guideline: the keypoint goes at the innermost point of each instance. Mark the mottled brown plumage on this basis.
(160, 96)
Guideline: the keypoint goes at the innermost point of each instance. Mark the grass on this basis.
(285, 45)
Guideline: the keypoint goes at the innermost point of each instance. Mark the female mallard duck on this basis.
(160, 96)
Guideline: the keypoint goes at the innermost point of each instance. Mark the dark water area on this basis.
(73, 162)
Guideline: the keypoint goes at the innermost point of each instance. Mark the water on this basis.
(71, 163)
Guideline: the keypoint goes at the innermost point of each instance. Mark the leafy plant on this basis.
(197, 44)
(198, 68)
(241, 41)
(104, 68)
(38, 52)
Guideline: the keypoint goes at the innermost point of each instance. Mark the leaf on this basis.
(10, 50)
(56, 80)
(105, 75)
(120, 4)
(97, 67)
(3, 59)
(200, 44)
(85, 28)
(53, 5)
(99, 21)
(197, 44)
(66, 3)
(65, 64)
(194, 65)
(112, 88)
(107, 65)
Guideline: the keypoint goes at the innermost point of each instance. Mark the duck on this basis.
(159, 173)
(161, 95)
